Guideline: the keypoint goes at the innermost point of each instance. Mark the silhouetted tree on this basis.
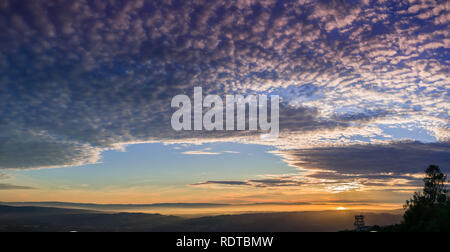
(429, 211)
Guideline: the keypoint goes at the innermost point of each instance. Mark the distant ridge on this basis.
(111, 206)
(155, 205)
(44, 219)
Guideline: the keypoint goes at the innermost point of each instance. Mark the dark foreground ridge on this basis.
(42, 219)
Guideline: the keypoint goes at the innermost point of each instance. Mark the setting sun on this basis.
(341, 208)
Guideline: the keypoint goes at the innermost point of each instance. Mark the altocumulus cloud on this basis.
(81, 77)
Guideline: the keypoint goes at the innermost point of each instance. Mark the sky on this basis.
(86, 89)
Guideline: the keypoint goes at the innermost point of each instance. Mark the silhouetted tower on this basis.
(359, 222)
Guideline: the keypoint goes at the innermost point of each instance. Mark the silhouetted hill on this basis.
(64, 220)
(329, 221)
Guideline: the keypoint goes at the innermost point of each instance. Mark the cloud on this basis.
(4, 176)
(208, 151)
(26, 150)
(200, 153)
(281, 203)
(274, 182)
(229, 183)
(82, 77)
(14, 187)
(395, 166)
(397, 158)
(232, 152)
(378, 166)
